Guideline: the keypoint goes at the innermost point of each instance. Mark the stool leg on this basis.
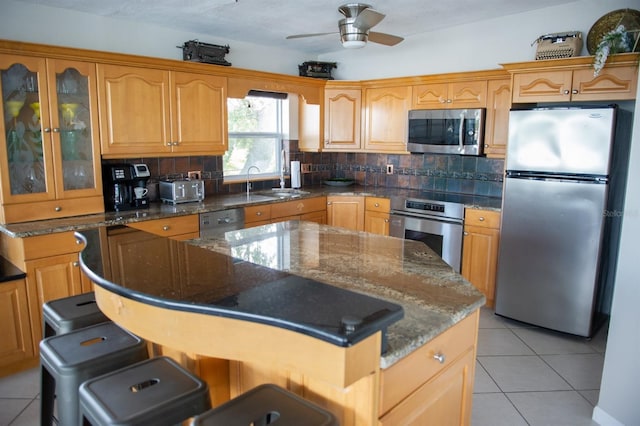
(47, 397)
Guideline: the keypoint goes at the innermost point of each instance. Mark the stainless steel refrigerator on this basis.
(562, 205)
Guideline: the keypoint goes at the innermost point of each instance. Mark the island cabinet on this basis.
(342, 111)
(376, 215)
(462, 94)
(49, 156)
(53, 271)
(480, 250)
(496, 130)
(346, 212)
(434, 384)
(385, 118)
(152, 111)
(16, 345)
(572, 79)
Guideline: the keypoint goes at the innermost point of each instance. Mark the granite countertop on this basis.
(219, 202)
(404, 272)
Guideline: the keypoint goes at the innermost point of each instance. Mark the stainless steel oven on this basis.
(438, 224)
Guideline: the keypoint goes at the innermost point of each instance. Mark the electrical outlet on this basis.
(194, 174)
(305, 168)
(389, 169)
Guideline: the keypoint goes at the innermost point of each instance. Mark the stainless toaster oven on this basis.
(181, 191)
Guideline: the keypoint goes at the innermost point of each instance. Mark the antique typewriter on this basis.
(558, 45)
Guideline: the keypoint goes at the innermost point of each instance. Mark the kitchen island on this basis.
(165, 292)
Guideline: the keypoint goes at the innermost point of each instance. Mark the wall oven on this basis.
(438, 224)
(446, 131)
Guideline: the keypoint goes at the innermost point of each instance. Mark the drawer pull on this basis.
(57, 208)
(440, 358)
(166, 228)
(481, 219)
(377, 204)
(258, 213)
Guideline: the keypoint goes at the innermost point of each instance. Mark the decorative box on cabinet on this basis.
(462, 94)
(385, 118)
(50, 157)
(342, 110)
(149, 111)
(480, 250)
(376, 215)
(565, 80)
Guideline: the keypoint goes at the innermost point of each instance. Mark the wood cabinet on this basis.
(480, 250)
(434, 384)
(496, 132)
(462, 94)
(53, 271)
(150, 111)
(50, 159)
(573, 80)
(376, 215)
(342, 111)
(16, 344)
(310, 209)
(346, 212)
(385, 118)
(177, 228)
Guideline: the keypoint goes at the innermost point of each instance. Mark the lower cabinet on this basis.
(16, 344)
(346, 212)
(434, 384)
(480, 250)
(176, 228)
(376, 215)
(309, 209)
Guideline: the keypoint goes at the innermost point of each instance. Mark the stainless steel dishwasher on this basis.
(219, 222)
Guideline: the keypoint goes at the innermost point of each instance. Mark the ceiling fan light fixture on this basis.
(354, 44)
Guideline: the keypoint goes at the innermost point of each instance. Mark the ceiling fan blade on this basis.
(309, 35)
(368, 18)
(386, 39)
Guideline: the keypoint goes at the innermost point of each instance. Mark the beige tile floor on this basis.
(524, 376)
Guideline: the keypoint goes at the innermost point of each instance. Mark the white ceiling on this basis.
(268, 22)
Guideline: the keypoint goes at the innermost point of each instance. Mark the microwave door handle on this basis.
(461, 133)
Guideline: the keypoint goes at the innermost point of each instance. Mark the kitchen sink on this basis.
(250, 198)
(282, 193)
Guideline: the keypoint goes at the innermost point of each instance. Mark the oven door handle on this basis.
(461, 133)
(426, 217)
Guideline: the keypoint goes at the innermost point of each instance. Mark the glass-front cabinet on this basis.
(50, 159)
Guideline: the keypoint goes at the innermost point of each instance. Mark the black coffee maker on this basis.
(125, 186)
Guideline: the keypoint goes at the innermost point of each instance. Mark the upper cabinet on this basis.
(573, 80)
(148, 111)
(342, 111)
(385, 118)
(50, 160)
(496, 129)
(463, 94)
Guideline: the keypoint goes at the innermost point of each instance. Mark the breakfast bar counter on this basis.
(355, 322)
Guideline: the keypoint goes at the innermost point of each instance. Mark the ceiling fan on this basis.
(354, 28)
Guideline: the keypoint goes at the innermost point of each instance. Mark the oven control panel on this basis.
(424, 206)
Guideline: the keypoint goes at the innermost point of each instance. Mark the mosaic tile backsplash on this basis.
(447, 173)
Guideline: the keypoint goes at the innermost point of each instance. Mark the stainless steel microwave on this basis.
(446, 131)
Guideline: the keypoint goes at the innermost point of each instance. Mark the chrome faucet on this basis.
(249, 183)
(282, 168)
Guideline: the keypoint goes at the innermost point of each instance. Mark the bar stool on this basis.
(70, 313)
(153, 392)
(69, 359)
(264, 405)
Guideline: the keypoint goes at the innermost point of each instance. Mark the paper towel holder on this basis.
(295, 174)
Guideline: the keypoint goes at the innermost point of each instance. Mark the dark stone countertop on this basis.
(9, 272)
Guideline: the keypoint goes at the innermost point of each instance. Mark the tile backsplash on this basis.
(427, 172)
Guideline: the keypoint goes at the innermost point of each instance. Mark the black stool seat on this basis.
(265, 405)
(69, 359)
(153, 392)
(70, 313)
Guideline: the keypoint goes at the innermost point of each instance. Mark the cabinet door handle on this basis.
(46, 129)
(465, 233)
(166, 228)
(76, 264)
(574, 91)
(566, 92)
(328, 203)
(56, 130)
(440, 358)
(386, 221)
